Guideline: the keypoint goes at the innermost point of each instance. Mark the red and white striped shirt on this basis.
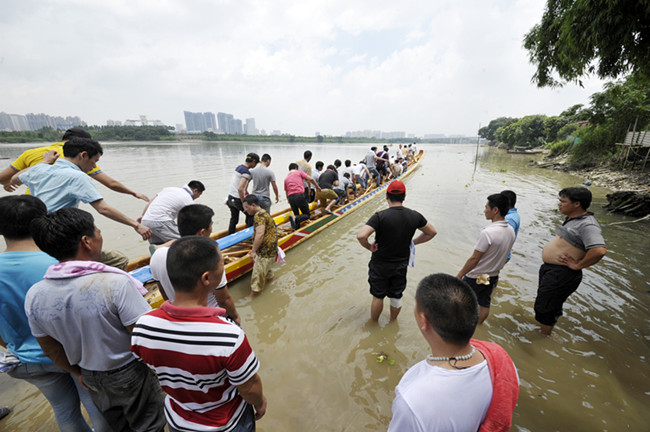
(199, 357)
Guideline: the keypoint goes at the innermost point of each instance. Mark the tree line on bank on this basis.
(164, 133)
(588, 134)
(578, 38)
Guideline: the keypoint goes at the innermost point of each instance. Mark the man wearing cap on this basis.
(394, 228)
(34, 156)
(237, 191)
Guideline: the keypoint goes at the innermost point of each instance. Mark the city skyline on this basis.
(199, 123)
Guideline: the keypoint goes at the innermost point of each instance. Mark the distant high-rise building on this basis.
(249, 128)
(17, 122)
(200, 122)
(225, 122)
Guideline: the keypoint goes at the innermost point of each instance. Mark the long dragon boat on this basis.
(235, 247)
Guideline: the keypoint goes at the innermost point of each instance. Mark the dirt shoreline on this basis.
(604, 176)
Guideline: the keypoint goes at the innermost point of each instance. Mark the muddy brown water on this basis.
(317, 351)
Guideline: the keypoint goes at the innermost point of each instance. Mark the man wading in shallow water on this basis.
(391, 250)
(578, 244)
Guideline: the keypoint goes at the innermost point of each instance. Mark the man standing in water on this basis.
(490, 253)
(90, 336)
(394, 228)
(480, 374)
(265, 245)
(578, 244)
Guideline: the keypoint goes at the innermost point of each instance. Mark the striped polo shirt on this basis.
(199, 357)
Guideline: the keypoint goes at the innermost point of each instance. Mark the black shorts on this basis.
(387, 279)
(556, 284)
(483, 292)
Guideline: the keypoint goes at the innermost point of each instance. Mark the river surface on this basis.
(310, 327)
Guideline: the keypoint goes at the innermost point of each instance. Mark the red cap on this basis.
(396, 187)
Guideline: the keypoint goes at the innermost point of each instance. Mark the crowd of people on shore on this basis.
(77, 326)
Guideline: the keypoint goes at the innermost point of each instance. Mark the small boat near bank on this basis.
(235, 247)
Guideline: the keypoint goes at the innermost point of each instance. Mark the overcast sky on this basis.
(302, 67)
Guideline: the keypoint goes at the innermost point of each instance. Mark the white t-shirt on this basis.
(496, 241)
(158, 265)
(166, 205)
(87, 315)
(240, 172)
(430, 398)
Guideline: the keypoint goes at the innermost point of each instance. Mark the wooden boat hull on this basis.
(238, 262)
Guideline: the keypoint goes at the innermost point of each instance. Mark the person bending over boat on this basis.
(21, 266)
(303, 165)
(237, 191)
(204, 362)
(490, 253)
(464, 384)
(64, 184)
(263, 177)
(91, 336)
(326, 196)
(318, 170)
(34, 156)
(161, 212)
(265, 245)
(392, 249)
(371, 159)
(193, 220)
(361, 174)
(578, 244)
(293, 188)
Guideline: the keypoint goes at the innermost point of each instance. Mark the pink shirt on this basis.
(293, 183)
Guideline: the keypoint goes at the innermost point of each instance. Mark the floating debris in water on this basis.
(382, 356)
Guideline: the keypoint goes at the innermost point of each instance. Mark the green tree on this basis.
(576, 38)
(489, 132)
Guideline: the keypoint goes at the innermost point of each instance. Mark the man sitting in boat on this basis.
(326, 196)
(265, 245)
(161, 212)
(193, 220)
(293, 188)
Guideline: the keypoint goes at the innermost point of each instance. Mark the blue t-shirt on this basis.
(512, 217)
(18, 272)
(60, 185)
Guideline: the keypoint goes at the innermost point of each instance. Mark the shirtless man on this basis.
(578, 244)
